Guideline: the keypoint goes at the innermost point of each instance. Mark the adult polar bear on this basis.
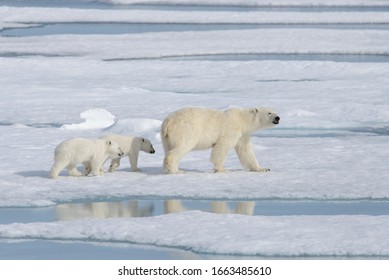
(201, 128)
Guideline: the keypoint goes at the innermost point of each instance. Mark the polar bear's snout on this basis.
(276, 120)
(152, 151)
(120, 153)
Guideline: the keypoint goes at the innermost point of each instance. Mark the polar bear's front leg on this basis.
(73, 170)
(134, 160)
(87, 168)
(96, 168)
(245, 152)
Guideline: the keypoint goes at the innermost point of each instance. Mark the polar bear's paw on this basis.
(260, 169)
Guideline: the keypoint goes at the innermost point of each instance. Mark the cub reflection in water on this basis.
(135, 208)
(103, 210)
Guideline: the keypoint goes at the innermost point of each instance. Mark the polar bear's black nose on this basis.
(276, 120)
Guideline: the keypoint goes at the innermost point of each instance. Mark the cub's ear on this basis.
(254, 111)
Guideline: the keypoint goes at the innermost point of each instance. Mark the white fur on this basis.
(92, 153)
(130, 146)
(200, 128)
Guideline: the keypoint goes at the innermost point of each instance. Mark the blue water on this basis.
(93, 4)
(127, 28)
(155, 207)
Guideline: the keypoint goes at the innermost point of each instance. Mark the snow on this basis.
(329, 86)
(55, 15)
(138, 125)
(94, 119)
(164, 45)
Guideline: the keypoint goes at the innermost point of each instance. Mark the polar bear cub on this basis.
(92, 153)
(130, 146)
(201, 128)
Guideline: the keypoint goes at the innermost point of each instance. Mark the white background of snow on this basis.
(55, 15)
(42, 94)
(156, 45)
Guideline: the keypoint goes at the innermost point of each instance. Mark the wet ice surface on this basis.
(148, 208)
(72, 72)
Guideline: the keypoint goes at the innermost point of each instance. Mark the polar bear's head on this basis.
(264, 117)
(146, 146)
(114, 150)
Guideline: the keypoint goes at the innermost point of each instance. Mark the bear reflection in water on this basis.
(102, 210)
(219, 207)
(133, 208)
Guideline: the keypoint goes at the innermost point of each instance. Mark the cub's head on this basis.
(114, 150)
(264, 117)
(146, 146)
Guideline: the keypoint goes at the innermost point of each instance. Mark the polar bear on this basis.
(92, 153)
(130, 146)
(201, 128)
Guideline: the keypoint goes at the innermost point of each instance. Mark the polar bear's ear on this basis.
(255, 111)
